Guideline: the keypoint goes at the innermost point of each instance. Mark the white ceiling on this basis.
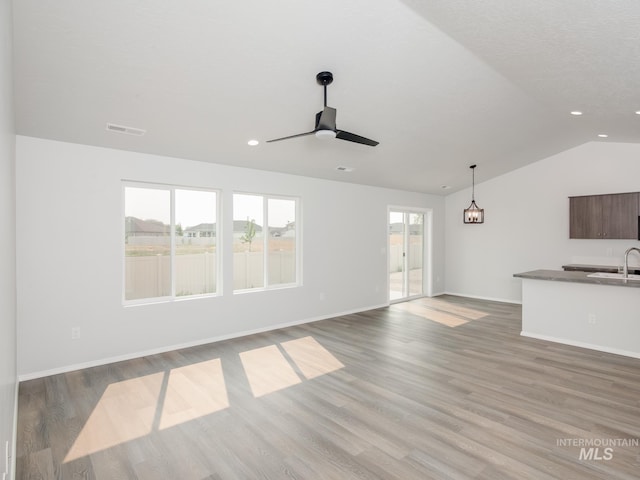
(441, 84)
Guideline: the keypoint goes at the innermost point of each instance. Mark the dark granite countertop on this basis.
(575, 277)
(580, 267)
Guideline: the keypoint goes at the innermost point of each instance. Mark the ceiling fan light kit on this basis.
(326, 121)
(325, 134)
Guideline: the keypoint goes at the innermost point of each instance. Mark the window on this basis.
(170, 242)
(265, 231)
(406, 259)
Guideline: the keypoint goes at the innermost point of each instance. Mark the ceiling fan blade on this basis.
(327, 119)
(352, 137)
(292, 136)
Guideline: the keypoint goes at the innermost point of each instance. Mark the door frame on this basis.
(427, 251)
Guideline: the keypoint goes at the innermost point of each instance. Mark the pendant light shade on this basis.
(473, 214)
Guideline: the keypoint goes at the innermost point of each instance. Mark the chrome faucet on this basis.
(625, 272)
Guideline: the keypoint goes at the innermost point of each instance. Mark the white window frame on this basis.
(265, 241)
(219, 239)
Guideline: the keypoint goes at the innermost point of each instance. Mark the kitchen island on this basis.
(573, 308)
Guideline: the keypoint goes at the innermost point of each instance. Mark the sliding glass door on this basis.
(406, 259)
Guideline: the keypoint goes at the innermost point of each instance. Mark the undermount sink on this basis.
(617, 276)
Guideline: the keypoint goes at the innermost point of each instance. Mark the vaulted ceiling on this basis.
(441, 84)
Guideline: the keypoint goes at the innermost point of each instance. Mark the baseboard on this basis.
(489, 299)
(130, 356)
(573, 343)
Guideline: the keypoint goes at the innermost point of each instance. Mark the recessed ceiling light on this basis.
(253, 143)
(637, 112)
(344, 169)
(603, 135)
(577, 113)
(445, 187)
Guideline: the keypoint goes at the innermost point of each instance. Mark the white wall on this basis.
(527, 220)
(69, 230)
(8, 381)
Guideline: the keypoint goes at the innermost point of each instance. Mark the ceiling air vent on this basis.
(112, 127)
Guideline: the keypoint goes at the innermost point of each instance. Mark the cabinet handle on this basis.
(604, 234)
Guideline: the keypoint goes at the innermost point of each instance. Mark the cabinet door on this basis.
(585, 217)
(620, 215)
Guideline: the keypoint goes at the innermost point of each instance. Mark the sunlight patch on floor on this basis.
(466, 312)
(133, 408)
(192, 392)
(440, 311)
(268, 370)
(311, 358)
(125, 411)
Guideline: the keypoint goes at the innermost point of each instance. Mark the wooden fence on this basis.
(150, 276)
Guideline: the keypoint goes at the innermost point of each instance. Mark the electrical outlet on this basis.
(75, 333)
(591, 319)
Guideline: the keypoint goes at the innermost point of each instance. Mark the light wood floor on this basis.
(435, 388)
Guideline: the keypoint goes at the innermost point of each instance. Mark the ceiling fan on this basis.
(326, 120)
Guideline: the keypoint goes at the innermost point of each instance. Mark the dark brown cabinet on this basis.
(613, 216)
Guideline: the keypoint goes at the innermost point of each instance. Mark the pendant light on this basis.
(473, 214)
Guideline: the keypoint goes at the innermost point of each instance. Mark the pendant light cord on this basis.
(473, 182)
